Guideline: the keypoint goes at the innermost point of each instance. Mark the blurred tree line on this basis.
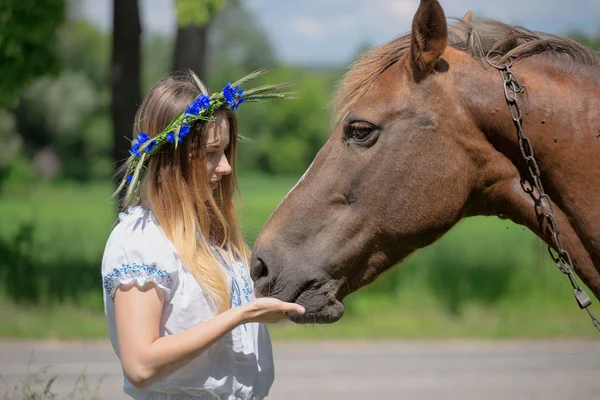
(64, 114)
(65, 121)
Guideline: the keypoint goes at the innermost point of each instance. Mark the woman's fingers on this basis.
(269, 309)
(292, 307)
(278, 305)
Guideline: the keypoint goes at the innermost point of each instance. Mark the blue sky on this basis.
(329, 32)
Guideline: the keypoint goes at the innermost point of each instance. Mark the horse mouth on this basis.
(327, 314)
(322, 304)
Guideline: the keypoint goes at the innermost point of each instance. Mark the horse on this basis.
(422, 138)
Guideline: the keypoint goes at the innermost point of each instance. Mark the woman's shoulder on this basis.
(138, 225)
(138, 250)
(138, 239)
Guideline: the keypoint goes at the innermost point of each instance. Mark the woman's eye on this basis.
(210, 153)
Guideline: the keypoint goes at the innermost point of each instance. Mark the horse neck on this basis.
(560, 102)
(561, 116)
(564, 96)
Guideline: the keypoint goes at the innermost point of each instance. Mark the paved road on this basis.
(548, 370)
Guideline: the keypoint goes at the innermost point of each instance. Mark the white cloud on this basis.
(402, 9)
(330, 31)
(594, 4)
(345, 22)
(308, 27)
(319, 29)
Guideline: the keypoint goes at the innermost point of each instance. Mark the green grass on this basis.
(83, 215)
(63, 321)
(486, 278)
(379, 317)
(260, 196)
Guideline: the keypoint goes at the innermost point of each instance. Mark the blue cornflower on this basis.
(237, 104)
(137, 142)
(230, 92)
(203, 101)
(129, 178)
(150, 146)
(171, 137)
(185, 129)
(142, 138)
(135, 149)
(192, 109)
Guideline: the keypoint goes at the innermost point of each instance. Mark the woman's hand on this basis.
(268, 310)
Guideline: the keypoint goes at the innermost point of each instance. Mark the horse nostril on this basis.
(258, 270)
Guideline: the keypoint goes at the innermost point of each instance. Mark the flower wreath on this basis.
(202, 108)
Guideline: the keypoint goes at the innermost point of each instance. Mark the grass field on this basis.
(486, 278)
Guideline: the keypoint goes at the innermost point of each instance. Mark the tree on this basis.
(53, 117)
(84, 47)
(237, 44)
(191, 45)
(125, 74)
(27, 36)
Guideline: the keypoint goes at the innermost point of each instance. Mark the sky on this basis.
(329, 32)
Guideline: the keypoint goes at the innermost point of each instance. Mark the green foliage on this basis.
(97, 145)
(194, 12)
(63, 112)
(17, 175)
(51, 241)
(27, 40)
(82, 47)
(157, 54)
(59, 105)
(462, 268)
(281, 137)
(587, 40)
(11, 142)
(284, 138)
(237, 43)
(70, 113)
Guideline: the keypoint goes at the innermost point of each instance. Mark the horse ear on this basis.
(468, 17)
(429, 35)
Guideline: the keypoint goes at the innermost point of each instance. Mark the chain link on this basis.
(512, 87)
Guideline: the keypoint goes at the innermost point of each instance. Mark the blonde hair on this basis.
(175, 188)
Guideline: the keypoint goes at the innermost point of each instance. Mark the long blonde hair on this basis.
(175, 188)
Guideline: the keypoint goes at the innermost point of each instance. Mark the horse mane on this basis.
(477, 38)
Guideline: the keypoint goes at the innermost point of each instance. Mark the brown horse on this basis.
(423, 138)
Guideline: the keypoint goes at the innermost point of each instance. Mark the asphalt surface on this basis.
(548, 370)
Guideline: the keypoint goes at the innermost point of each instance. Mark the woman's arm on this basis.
(146, 356)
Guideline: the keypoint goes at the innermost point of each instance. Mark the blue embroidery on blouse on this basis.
(247, 288)
(236, 291)
(126, 271)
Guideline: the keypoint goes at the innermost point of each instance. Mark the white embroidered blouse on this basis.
(239, 366)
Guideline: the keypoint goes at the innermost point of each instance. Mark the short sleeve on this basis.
(138, 252)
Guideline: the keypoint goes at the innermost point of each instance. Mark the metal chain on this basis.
(512, 87)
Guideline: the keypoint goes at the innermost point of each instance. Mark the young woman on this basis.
(179, 301)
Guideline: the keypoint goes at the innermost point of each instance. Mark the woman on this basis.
(179, 302)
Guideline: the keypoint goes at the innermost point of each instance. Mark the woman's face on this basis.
(217, 140)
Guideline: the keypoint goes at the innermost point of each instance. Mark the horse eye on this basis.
(360, 131)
